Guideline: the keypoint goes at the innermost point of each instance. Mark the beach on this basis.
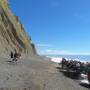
(34, 73)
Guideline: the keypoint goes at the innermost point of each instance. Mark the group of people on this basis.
(77, 66)
(14, 56)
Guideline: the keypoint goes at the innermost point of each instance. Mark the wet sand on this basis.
(34, 73)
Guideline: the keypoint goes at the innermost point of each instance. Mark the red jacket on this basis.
(89, 76)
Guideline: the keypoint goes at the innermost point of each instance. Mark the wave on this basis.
(58, 58)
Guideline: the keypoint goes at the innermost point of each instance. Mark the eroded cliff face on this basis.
(12, 33)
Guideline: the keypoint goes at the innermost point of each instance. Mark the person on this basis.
(11, 54)
(19, 54)
(88, 72)
(63, 62)
(15, 56)
(89, 76)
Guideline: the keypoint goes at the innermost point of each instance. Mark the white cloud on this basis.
(43, 45)
(44, 49)
(57, 52)
(64, 52)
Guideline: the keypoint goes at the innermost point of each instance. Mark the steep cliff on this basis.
(12, 33)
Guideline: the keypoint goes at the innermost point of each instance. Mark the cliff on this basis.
(12, 33)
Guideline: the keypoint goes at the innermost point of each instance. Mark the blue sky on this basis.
(56, 26)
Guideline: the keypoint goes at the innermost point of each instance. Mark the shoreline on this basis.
(58, 59)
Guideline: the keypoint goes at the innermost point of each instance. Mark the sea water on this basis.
(84, 58)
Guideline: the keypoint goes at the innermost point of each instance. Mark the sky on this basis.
(56, 26)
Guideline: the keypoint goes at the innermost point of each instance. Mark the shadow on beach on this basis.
(85, 85)
(70, 74)
(11, 62)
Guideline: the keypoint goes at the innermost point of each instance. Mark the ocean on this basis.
(73, 57)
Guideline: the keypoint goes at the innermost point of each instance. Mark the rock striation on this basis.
(12, 33)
